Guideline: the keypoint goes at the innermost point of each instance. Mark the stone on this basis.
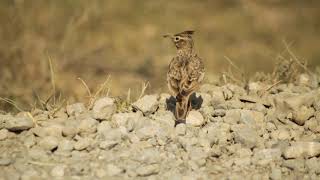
(37, 153)
(107, 145)
(147, 104)
(29, 141)
(302, 149)
(232, 116)
(70, 128)
(39, 131)
(165, 118)
(253, 119)
(113, 170)
(245, 135)
(18, 123)
(180, 129)
(82, 144)
(256, 87)
(103, 108)
(206, 99)
(49, 143)
(75, 109)
(112, 135)
(148, 170)
(219, 113)
(147, 132)
(65, 145)
(53, 130)
(266, 156)
(276, 174)
(219, 133)
(103, 127)
(3, 134)
(195, 118)
(301, 115)
(58, 171)
(29, 174)
(285, 102)
(124, 119)
(5, 161)
(313, 165)
(100, 173)
(313, 125)
(294, 164)
(281, 134)
(87, 126)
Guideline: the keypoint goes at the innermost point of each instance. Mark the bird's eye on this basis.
(176, 38)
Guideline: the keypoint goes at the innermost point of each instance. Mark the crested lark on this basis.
(186, 71)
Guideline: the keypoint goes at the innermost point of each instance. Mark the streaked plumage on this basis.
(186, 72)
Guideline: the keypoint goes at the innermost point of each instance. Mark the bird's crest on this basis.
(185, 33)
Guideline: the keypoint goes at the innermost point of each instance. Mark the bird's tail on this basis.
(182, 108)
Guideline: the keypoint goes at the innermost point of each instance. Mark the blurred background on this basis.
(52, 43)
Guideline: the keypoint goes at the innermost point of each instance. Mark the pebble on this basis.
(58, 171)
(76, 109)
(302, 149)
(3, 134)
(276, 174)
(87, 126)
(113, 170)
(148, 170)
(103, 108)
(245, 135)
(147, 104)
(82, 144)
(17, 123)
(107, 145)
(5, 161)
(181, 129)
(70, 128)
(195, 118)
(65, 145)
(301, 115)
(49, 143)
(265, 156)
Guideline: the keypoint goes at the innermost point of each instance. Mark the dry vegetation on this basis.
(47, 45)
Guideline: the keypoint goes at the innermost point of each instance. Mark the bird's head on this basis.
(182, 40)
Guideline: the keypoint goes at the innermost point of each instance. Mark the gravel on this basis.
(234, 135)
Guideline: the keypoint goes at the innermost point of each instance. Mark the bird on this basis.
(185, 73)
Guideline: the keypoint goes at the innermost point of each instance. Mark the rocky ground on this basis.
(261, 132)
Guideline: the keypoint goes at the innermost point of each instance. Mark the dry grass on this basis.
(46, 45)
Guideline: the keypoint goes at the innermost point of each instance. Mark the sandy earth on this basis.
(236, 134)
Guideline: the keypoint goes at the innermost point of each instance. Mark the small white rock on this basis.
(3, 134)
(82, 144)
(49, 142)
(113, 170)
(103, 108)
(302, 149)
(147, 104)
(58, 171)
(75, 109)
(181, 129)
(65, 145)
(107, 144)
(195, 118)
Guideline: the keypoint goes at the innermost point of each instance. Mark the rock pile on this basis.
(236, 134)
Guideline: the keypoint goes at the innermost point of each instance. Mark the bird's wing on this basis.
(195, 74)
(174, 75)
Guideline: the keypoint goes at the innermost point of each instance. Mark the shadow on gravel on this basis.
(196, 102)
